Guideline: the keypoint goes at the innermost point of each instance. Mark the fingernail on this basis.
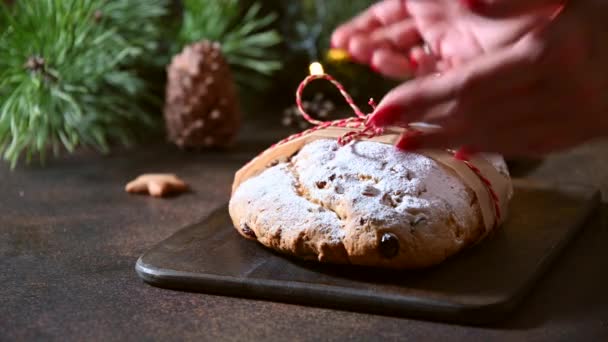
(358, 58)
(387, 115)
(356, 55)
(474, 5)
(464, 153)
(408, 143)
(374, 68)
(413, 63)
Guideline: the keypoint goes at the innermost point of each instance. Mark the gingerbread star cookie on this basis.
(157, 185)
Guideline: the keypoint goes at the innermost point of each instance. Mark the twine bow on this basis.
(360, 122)
(362, 127)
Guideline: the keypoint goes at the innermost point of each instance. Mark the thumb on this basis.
(505, 8)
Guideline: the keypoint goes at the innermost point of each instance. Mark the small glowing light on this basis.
(338, 55)
(316, 68)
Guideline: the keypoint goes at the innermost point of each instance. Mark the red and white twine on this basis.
(363, 128)
(360, 122)
(486, 182)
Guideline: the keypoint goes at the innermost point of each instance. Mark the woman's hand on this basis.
(517, 85)
(382, 37)
(545, 92)
(388, 36)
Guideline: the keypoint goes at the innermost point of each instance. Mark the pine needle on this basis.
(67, 75)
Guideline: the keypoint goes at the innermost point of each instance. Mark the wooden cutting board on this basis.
(479, 285)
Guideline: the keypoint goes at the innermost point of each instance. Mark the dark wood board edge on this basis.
(299, 293)
(362, 301)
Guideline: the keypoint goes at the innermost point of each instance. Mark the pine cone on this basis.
(201, 105)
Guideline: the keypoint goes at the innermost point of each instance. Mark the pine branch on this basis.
(246, 39)
(66, 75)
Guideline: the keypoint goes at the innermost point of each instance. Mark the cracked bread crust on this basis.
(366, 204)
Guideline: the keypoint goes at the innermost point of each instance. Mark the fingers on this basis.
(399, 65)
(381, 14)
(388, 12)
(528, 121)
(528, 140)
(385, 26)
(391, 64)
(499, 72)
(519, 126)
(362, 47)
(365, 22)
(505, 8)
(399, 37)
(424, 63)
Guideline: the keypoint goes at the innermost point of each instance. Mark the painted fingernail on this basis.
(375, 68)
(359, 50)
(358, 58)
(413, 63)
(408, 143)
(474, 5)
(386, 115)
(465, 153)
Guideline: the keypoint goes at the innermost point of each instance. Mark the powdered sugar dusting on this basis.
(336, 204)
(361, 181)
(382, 183)
(274, 204)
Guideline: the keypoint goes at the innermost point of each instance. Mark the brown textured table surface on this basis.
(70, 236)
